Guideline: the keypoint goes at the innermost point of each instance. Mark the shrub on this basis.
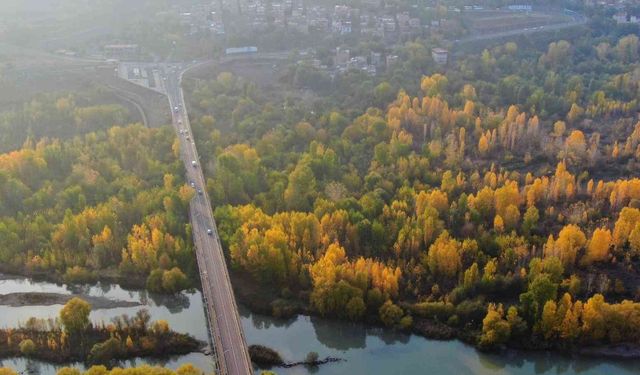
(471, 311)
(440, 311)
(406, 322)
(453, 321)
(154, 281)
(106, 351)
(312, 357)
(79, 275)
(27, 347)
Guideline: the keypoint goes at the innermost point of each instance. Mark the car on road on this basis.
(193, 184)
(188, 138)
(194, 163)
(209, 232)
(199, 191)
(180, 122)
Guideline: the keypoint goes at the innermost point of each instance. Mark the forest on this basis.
(492, 201)
(108, 204)
(59, 115)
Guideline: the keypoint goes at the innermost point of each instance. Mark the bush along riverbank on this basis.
(267, 357)
(72, 337)
(591, 327)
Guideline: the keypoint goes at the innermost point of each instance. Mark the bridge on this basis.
(226, 336)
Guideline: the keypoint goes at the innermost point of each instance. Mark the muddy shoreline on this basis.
(21, 299)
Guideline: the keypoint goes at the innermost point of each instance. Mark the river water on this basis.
(365, 350)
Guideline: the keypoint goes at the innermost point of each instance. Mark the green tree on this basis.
(540, 290)
(301, 188)
(390, 314)
(355, 308)
(174, 280)
(530, 220)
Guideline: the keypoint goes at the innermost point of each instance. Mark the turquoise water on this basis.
(366, 350)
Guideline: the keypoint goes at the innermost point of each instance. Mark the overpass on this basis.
(231, 355)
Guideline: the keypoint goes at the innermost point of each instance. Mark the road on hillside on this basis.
(225, 329)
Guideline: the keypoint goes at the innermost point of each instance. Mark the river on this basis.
(365, 350)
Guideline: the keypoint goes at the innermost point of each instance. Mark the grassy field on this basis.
(499, 21)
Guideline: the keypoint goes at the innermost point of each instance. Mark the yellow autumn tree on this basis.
(570, 240)
(444, 258)
(548, 322)
(483, 145)
(498, 224)
(599, 245)
(626, 223)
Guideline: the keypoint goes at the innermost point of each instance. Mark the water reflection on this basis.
(261, 322)
(174, 303)
(552, 363)
(367, 350)
(339, 335)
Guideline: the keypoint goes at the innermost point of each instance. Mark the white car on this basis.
(209, 232)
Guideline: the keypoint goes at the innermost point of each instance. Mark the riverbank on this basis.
(365, 348)
(261, 300)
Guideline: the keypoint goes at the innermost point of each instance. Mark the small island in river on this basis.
(72, 337)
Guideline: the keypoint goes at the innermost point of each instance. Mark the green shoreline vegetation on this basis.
(72, 337)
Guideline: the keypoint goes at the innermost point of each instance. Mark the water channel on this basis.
(366, 350)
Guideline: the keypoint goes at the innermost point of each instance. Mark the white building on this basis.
(440, 55)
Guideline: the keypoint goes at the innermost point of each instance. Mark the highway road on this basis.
(225, 328)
